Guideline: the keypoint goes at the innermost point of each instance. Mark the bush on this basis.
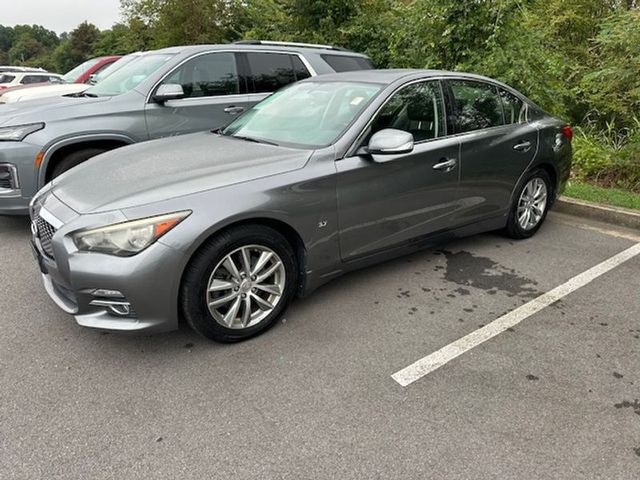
(609, 157)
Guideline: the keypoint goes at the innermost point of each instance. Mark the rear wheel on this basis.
(530, 205)
(74, 159)
(239, 283)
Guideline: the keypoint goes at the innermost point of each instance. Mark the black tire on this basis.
(74, 159)
(193, 290)
(513, 228)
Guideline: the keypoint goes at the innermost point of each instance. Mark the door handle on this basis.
(522, 147)
(446, 165)
(233, 110)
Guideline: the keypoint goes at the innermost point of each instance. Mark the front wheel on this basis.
(530, 206)
(239, 283)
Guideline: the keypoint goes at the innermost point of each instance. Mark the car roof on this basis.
(389, 76)
(250, 47)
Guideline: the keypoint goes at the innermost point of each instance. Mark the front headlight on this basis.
(127, 238)
(19, 132)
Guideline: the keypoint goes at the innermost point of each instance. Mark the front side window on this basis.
(207, 75)
(130, 76)
(29, 79)
(307, 114)
(515, 110)
(416, 108)
(476, 105)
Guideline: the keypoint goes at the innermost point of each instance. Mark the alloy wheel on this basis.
(532, 203)
(245, 286)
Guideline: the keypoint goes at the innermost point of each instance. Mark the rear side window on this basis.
(207, 75)
(476, 105)
(344, 63)
(515, 110)
(6, 78)
(269, 72)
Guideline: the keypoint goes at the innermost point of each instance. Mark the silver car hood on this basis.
(47, 109)
(158, 170)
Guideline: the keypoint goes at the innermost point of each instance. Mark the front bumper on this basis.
(20, 157)
(76, 282)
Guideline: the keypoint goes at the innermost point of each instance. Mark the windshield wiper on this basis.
(87, 94)
(255, 140)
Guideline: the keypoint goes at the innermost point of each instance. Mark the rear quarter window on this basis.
(344, 63)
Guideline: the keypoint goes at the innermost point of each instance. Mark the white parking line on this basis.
(437, 359)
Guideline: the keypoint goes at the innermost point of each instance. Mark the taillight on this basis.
(567, 131)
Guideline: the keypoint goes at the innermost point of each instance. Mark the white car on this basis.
(46, 91)
(14, 79)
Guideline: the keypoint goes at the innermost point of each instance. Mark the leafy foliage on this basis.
(579, 59)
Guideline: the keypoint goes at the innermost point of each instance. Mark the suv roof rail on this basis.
(289, 44)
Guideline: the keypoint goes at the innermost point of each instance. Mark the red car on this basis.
(83, 72)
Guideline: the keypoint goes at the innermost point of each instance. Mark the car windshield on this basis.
(307, 115)
(130, 76)
(72, 75)
(117, 65)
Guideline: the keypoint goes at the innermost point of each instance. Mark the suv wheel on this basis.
(239, 283)
(74, 159)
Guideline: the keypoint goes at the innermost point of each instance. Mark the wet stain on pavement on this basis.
(532, 377)
(635, 405)
(466, 269)
(617, 375)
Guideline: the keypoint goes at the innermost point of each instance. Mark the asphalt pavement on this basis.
(555, 396)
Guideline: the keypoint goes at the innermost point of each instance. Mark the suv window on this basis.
(27, 79)
(416, 108)
(272, 71)
(207, 75)
(515, 110)
(344, 63)
(477, 105)
(6, 78)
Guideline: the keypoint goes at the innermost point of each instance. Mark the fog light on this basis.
(116, 307)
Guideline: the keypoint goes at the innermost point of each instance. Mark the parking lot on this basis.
(555, 396)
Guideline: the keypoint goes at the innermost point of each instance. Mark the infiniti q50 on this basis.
(330, 174)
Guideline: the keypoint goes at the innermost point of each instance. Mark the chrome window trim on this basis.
(233, 51)
(440, 78)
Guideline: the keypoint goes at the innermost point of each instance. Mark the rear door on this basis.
(214, 95)
(497, 145)
(387, 200)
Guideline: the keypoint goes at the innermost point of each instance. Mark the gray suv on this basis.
(162, 93)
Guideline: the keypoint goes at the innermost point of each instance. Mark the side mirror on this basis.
(168, 91)
(390, 142)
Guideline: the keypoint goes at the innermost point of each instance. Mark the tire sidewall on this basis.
(199, 272)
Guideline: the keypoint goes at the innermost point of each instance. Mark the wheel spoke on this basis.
(262, 261)
(270, 289)
(270, 271)
(246, 313)
(219, 285)
(262, 303)
(230, 316)
(246, 261)
(222, 300)
(230, 266)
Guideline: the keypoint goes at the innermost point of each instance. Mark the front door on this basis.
(213, 97)
(387, 200)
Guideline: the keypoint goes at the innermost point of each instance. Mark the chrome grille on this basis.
(45, 234)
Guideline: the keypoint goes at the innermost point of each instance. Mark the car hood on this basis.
(158, 170)
(44, 92)
(48, 109)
